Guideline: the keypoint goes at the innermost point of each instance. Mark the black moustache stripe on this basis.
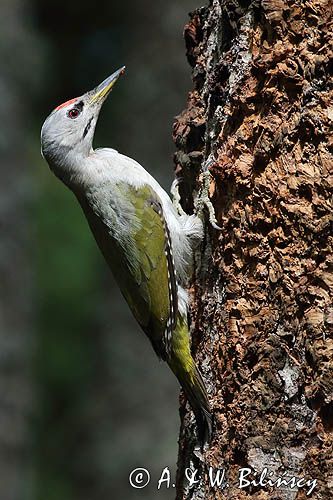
(86, 130)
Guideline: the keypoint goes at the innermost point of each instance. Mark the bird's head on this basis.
(68, 131)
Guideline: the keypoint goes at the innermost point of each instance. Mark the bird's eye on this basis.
(73, 113)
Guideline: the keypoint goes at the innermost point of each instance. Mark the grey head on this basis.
(67, 133)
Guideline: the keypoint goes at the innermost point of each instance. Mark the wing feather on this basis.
(133, 235)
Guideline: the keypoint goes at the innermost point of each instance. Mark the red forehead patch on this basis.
(66, 103)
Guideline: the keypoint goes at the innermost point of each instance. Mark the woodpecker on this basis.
(147, 244)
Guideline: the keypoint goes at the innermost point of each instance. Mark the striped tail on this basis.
(183, 366)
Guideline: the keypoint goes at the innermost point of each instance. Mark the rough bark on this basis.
(258, 120)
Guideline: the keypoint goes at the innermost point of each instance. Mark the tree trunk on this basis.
(257, 121)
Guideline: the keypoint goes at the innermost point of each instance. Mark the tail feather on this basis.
(183, 366)
(195, 390)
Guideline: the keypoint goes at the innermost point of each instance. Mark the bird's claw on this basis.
(202, 201)
(174, 190)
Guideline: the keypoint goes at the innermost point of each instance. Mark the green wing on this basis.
(138, 250)
(154, 275)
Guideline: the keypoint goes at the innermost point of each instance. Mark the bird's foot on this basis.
(176, 197)
(202, 201)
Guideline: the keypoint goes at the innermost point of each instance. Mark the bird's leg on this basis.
(176, 197)
(202, 201)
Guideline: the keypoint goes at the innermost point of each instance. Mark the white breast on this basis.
(107, 165)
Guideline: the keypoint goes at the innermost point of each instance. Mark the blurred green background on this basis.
(83, 399)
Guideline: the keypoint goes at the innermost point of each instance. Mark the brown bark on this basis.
(258, 118)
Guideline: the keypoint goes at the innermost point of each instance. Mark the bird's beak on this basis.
(100, 93)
